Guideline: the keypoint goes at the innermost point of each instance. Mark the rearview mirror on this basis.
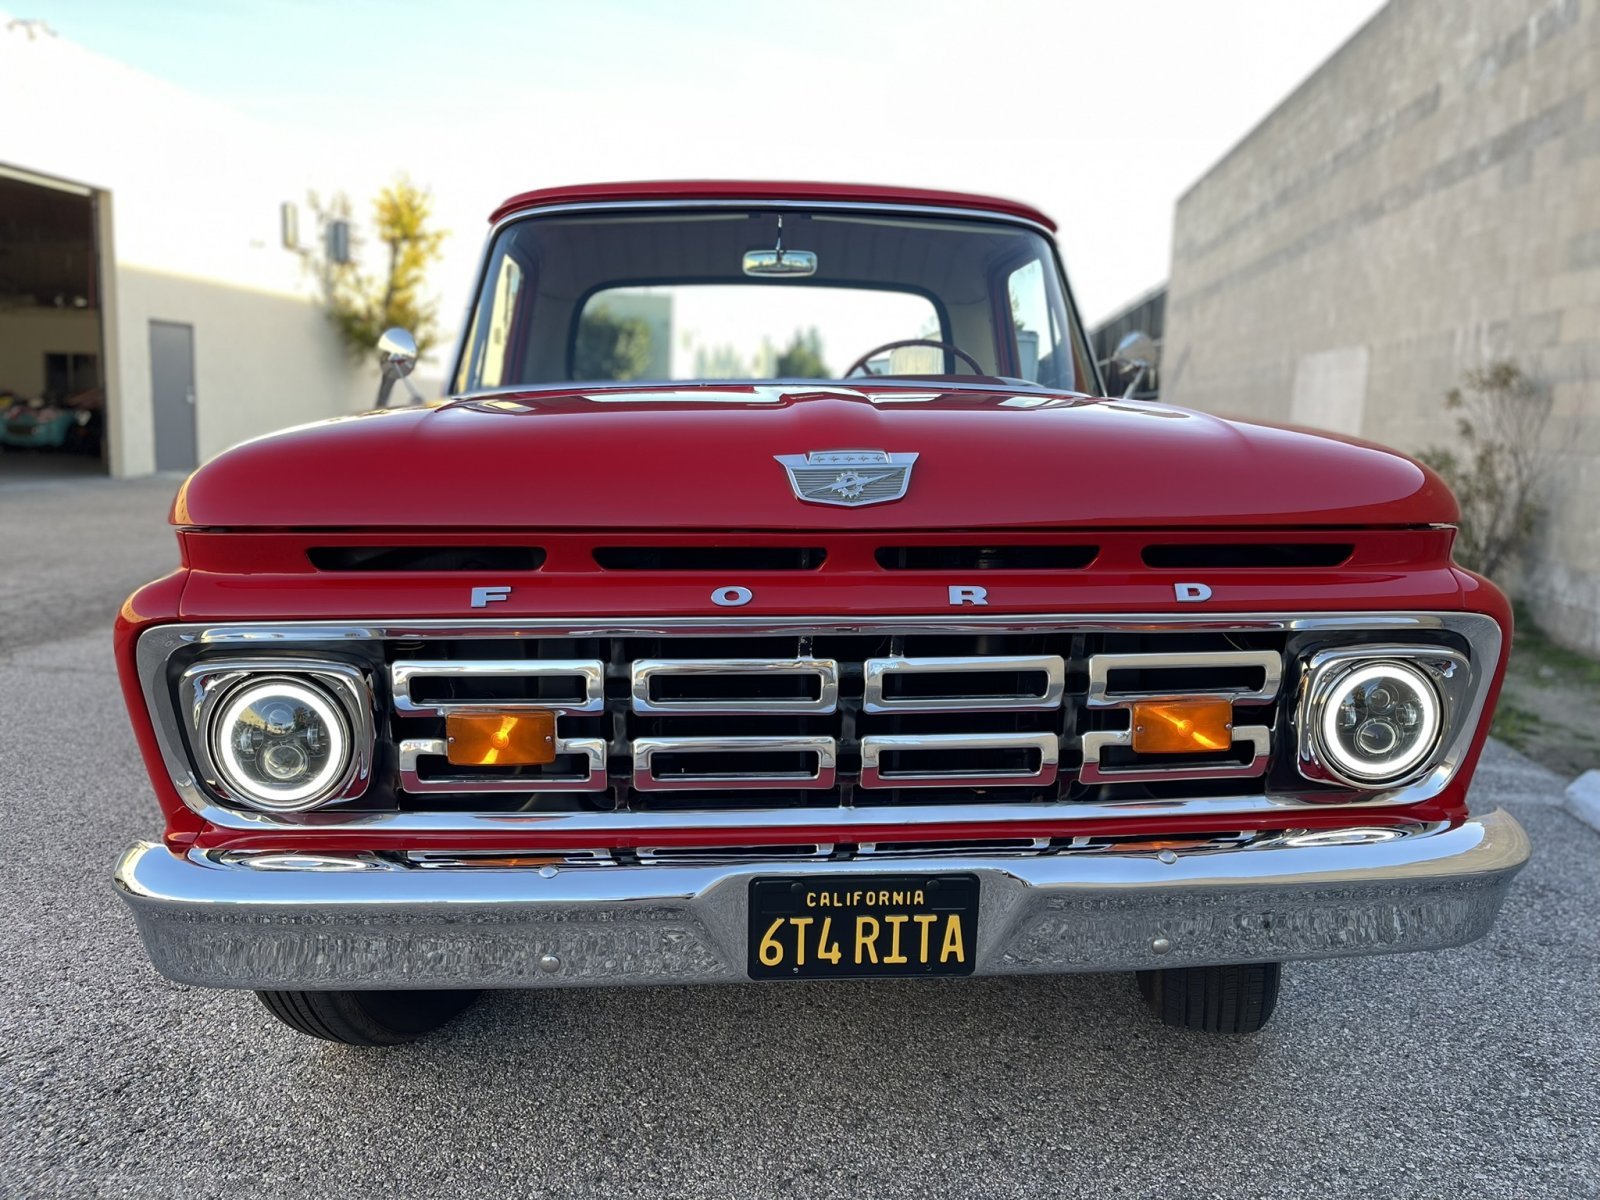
(780, 262)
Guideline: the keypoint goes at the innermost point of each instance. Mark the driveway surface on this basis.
(1467, 1073)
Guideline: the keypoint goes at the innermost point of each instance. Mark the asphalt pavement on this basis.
(1465, 1073)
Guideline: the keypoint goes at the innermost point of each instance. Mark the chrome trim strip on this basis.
(590, 671)
(223, 925)
(879, 670)
(1101, 666)
(646, 780)
(824, 670)
(1095, 742)
(873, 748)
(165, 638)
(158, 643)
(411, 780)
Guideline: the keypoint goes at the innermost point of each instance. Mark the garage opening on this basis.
(52, 365)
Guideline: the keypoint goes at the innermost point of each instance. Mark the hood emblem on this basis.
(848, 477)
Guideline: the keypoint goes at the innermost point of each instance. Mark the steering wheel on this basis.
(860, 364)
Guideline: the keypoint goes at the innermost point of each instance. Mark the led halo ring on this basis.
(285, 799)
(1385, 771)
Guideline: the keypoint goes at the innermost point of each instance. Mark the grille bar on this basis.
(874, 774)
(958, 674)
(1204, 665)
(646, 751)
(585, 676)
(734, 672)
(413, 750)
(1258, 737)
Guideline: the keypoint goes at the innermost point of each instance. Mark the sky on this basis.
(1100, 113)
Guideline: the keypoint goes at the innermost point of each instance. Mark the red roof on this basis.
(733, 189)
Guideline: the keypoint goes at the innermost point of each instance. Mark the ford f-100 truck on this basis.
(774, 595)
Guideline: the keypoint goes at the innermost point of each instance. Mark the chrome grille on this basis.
(830, 718)
(495, 662)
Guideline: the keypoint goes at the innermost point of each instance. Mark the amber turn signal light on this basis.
(500, 739)
(1182, 726)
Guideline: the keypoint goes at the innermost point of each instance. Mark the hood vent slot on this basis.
(986, 558)
(426, 558)
(1257, 555)
(709, 558)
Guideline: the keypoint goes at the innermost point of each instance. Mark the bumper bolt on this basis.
(1160, 945)
(549, 964)
(1168, 857)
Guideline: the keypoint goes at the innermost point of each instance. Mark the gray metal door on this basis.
(172, 395)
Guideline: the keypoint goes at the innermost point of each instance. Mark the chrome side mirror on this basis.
(1136, 349)
(397, 353)
(1139, 351)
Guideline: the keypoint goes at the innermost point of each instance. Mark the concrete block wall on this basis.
(1427, 201)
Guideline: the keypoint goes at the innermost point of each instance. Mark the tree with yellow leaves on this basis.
(362, 305)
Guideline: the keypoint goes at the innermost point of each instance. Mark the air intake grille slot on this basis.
(1185, 556)
(426, 558)
(986, 558)
(709, 558)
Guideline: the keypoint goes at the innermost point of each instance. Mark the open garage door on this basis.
(52, 352)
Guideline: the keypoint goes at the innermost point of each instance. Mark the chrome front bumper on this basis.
(224, 924)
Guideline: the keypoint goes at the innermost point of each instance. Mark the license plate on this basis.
(842, 926)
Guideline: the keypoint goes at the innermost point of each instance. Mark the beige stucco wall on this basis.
(1428, 200)
(262, 362)
(189, 195)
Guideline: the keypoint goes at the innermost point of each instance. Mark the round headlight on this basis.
(1379, 722)
(281, 744)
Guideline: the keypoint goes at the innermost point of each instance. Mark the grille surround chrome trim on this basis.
(875, 746)
(412, 749)
(826, 670)
(591, 671)
(645, 750)
(878, 670)
(159, 642)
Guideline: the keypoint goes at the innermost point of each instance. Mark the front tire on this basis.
(367, 1018)
(1231, 999)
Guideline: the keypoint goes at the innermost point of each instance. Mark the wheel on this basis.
(366, 1018)
(1232, 999)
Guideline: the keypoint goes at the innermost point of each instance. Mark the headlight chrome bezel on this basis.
(207, 691)
(1447, 671)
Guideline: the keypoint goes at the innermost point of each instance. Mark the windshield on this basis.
(768, 294)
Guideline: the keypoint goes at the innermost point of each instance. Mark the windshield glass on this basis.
(768, 294)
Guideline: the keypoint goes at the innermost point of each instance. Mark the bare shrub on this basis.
(1497, 473)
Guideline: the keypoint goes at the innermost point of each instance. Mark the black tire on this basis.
(1232, 999)
(366, 1018)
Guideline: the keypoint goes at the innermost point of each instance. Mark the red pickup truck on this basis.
(775, 596)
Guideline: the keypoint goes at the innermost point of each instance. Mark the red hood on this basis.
(702, 457)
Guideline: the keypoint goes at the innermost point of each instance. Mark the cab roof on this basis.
(734, 189)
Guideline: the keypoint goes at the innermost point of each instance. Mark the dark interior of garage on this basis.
(52, 394)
